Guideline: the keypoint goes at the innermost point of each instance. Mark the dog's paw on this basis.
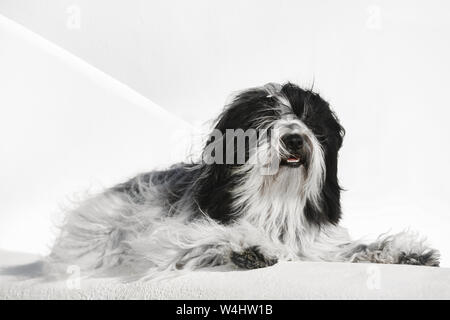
(251, 258)
(429, 258)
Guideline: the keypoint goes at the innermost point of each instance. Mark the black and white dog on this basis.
(266, 190)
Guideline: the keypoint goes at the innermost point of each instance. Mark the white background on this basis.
(66, 128)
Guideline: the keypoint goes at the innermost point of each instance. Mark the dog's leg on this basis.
(334, 244)
(179, 245)
(252, 258)
(400, 248)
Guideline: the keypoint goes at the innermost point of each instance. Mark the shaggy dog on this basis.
(265, 190)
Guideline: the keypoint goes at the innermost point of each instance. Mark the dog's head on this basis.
(288, 132)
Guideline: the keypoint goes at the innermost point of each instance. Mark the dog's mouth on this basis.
(293, 161)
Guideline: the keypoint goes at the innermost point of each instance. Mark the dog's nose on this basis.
(293, 142)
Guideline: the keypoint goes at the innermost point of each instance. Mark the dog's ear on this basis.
(339, 129)
(330, 209)
(330, 205)
(331, 200)
(331, 192)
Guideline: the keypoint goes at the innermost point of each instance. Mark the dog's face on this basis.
(299, 125)
(279, 137)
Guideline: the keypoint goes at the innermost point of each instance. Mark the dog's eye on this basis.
(322, 138)
(315, 127)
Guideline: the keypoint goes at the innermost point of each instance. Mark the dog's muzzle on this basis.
(294, 145)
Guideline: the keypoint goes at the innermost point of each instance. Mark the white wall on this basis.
(67, 129)
(383, 65)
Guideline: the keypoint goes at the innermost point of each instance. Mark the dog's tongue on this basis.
(292, 159)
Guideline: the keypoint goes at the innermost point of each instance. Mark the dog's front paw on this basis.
(251, 258)
(429, 258)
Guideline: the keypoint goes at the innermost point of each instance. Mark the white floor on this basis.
(294, 280)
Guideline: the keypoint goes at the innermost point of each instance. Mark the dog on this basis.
(265, 190)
